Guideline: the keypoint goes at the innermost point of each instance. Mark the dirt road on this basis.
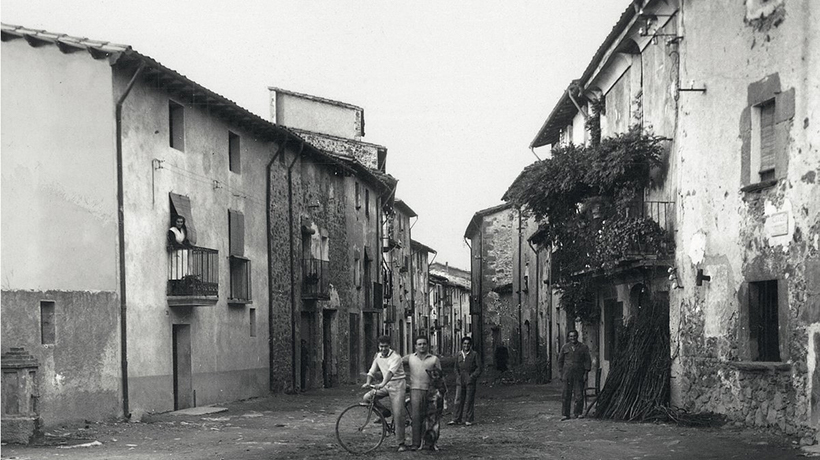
(514, 422)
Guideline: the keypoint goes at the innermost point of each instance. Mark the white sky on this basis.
(455, 90)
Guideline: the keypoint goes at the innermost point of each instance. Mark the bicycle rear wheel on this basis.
(360, 429)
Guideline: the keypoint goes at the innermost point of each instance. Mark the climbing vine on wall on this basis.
(588, 199)
(593, 123)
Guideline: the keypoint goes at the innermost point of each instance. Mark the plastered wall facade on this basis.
(228, 360)
(740, 228)
(59, 227)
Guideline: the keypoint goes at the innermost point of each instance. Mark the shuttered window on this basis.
(236, 233)
(767, 137)
(181, 206)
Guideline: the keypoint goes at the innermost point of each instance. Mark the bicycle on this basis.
(361, 428)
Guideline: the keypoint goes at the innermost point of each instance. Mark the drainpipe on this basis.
(292, 271)
(121, 235)
(537, 308)
(412, 287)
(520, 323)
(269, 168)
(478, 329)
(549, 311)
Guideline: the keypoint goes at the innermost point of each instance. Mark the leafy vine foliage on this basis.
(588, 199)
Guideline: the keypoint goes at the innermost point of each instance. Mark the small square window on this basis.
(176, 125)
(234, 159)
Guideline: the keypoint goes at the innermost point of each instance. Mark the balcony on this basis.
(660, 212)
(315, 279)
(608, 238)
(193, 277)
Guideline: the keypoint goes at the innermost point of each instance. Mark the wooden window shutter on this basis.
(182, 207)
(767, 137)
(236, 233)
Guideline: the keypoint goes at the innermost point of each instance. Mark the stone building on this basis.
(285, 236)
(506, 312)
(420, 290)
(339, 208)
(737, 191)
(450, 297)
(397, 266)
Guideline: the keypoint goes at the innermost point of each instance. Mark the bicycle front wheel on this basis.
(360, 429)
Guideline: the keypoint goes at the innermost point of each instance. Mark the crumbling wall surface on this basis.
(739, 227)
(499, 246)
(367, 154)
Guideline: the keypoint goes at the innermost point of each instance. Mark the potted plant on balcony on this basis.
(312, 278)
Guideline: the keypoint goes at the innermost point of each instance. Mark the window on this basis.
(236, 233)
(765, 138)
(240, 280)
(367, 203)
(176, 125)
(234, 163)
(47, 322)
(252, 313)
(240, 267)
(357, 272)
(764, 133)
(764, 337)
(367, 281)
(181, 207)
(763, 142)
(358, 195)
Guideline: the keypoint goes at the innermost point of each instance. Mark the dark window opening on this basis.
(357, 195)
(176, 125)
(367, 203)
(240, 279)
(234, 159)
(47, 322)
(252, 313)
(763, 321)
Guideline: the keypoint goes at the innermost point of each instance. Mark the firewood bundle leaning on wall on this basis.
(637, 388)
(638, 381)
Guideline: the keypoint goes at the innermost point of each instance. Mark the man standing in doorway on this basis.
(393, 384)
(468, 369)
(574, 361)
(419, 362)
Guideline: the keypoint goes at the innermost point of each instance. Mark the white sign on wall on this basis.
(777, 224)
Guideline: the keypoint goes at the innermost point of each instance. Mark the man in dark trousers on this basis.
(468, 368)
(574, 361)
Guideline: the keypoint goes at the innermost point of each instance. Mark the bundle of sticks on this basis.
(638, 380)
(637, 387)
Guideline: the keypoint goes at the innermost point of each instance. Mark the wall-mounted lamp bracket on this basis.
(700, 277)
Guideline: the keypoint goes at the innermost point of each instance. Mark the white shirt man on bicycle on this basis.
(393, 384)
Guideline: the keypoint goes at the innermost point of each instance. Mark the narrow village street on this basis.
(205, 254)
(514, 421)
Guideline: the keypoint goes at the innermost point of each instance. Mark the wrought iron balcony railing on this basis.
(315, 279)
(662, 212)
(193, 272)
